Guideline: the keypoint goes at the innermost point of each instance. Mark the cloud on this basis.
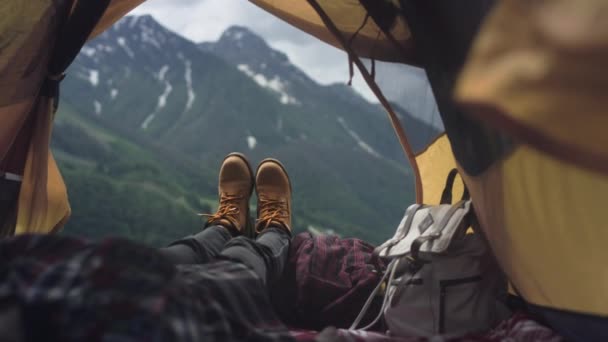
(205, 20)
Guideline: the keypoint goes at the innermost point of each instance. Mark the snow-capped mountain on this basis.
(239, 94)
(252, 55)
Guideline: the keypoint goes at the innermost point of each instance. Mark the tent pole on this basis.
(395, 122)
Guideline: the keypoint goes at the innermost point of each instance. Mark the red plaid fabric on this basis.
(327, 281)
(518, 328)
(68, 289)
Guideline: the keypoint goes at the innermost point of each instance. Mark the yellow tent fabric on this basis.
(28, 31)
(23, 65)
(545, 78)
(543, 208)
(545, 222)
(435, 162)
(43, 202)
(366, 38)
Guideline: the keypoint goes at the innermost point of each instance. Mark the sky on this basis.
(205, 20)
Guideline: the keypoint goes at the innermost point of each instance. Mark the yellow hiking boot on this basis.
(234, 188)
(274, 196)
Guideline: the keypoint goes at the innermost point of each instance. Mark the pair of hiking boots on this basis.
(235, 187)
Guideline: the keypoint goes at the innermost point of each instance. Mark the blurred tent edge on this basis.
(370, 42)
(531, 147)
(39, 40)
(543, 205)
(533, 152)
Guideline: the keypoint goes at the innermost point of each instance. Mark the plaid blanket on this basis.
(518, 328)
(67, 289)
(326, 282)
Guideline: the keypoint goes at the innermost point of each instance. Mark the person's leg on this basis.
(199, 248)
(267, 255)
(235, 186)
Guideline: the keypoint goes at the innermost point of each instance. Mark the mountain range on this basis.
(147, 115)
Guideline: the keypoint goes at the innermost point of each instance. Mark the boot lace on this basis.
(271, 211)
(227, 210)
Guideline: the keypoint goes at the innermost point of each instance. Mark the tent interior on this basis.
(520, 98)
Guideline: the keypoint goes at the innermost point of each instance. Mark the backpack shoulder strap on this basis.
(446, 196)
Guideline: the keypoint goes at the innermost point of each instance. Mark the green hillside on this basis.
(117, 187)
(120, 187)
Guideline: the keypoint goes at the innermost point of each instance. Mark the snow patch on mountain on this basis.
(144, 125)
(364, 146)
(162, 102)
(94, 77)
(162, 99)
(134, 20)
(188, 78)
(251, 142)
(89, 51)
(104, 48)
(286, 100)
(162, 72)
(123, 44)
(236, 37)
(275, 84)
(113, 93)
(148, 36)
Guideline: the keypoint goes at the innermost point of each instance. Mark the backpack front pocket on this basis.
(457, 299)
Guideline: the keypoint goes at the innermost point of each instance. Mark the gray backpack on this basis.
(442, 278)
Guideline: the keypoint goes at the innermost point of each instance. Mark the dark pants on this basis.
(266, 255)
